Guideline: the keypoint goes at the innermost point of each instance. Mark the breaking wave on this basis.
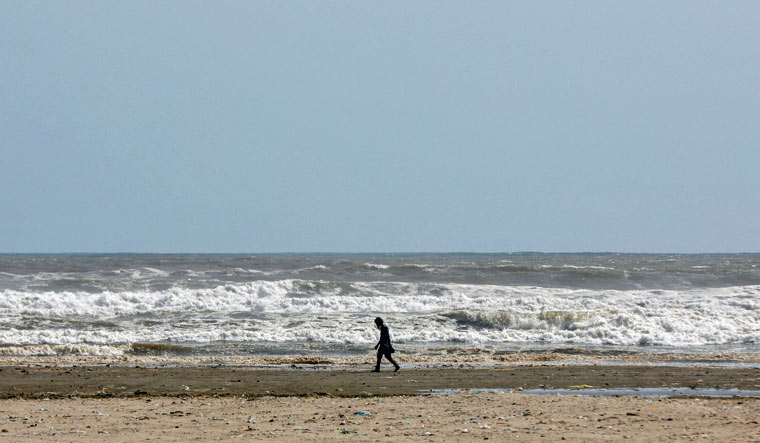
(295, 310)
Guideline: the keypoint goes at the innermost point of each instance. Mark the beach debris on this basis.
(185, 388)
(348, 431)
(465, 431)
(362, 413)
(485, 427)
(580, 387)
(250, 419)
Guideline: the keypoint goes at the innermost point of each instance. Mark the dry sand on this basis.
(455, 417)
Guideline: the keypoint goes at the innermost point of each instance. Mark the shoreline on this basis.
(442, 357)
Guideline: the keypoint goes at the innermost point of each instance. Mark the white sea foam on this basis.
(64, 349)
(330, 312)
(603, 268)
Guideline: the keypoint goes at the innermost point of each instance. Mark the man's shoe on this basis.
(397, 368)
(375, 370)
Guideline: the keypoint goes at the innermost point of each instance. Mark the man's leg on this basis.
(390, 359)
(379, 357)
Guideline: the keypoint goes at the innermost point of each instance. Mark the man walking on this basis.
(384, 347)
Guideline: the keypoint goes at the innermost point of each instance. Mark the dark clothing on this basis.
(384, 351)
(385, 336)
(384, 348)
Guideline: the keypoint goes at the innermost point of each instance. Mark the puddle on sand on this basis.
(618, 392)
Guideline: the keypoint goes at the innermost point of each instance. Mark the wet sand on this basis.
(102, 381)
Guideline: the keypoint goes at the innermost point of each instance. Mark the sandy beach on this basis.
(453, 417)
(174, 403)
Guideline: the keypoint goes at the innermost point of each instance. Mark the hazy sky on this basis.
(347, 126)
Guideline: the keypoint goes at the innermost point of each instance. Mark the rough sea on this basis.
(118, 304)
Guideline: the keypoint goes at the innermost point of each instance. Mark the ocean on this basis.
(188, 304)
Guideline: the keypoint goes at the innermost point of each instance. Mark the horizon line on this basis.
(366, 252)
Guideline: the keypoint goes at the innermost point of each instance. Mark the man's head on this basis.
(378, 322)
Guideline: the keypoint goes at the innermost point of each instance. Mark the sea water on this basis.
(114, 304)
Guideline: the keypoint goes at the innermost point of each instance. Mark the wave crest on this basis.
(341, 312)
(566, 320)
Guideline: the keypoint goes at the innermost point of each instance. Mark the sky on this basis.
(348, 126)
